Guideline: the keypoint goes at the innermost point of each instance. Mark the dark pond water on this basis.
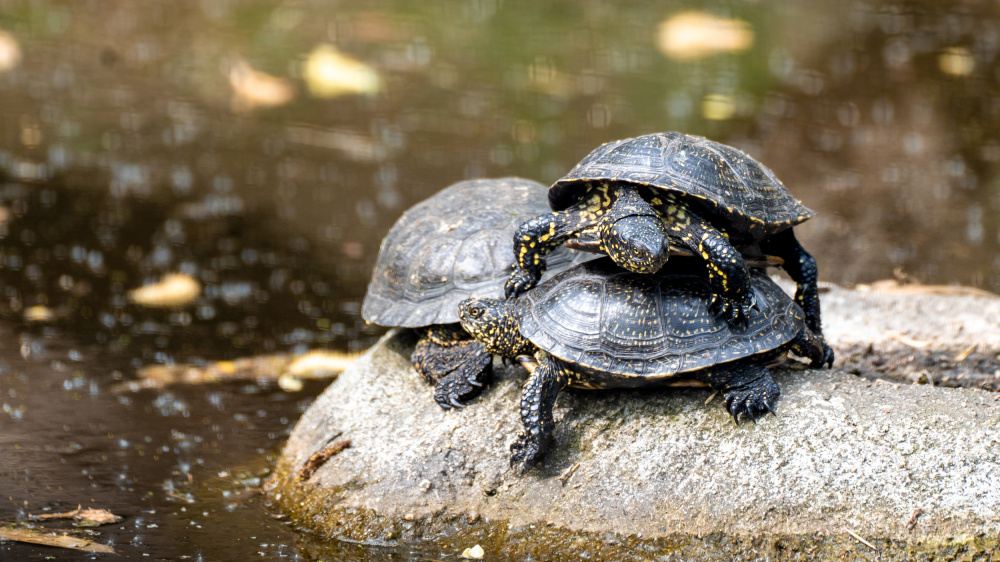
(266, 147)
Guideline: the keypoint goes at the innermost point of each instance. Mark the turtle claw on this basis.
(520, 281)
(458, 387)
(752, 400)
(736, 314)
(525, 452)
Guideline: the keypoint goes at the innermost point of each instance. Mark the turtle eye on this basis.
(476, 311)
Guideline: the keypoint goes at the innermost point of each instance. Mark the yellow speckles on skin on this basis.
(542, 238)
(526, 238)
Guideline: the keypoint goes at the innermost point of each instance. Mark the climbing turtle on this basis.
(637, 199)
(447, 248)
(598, 326)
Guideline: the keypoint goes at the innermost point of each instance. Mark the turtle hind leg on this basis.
(801, 267)
(813, 348)
(458, 369)
(747, 386)
(538, 399)
(472, 370)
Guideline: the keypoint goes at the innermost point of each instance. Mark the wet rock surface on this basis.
(665, 469)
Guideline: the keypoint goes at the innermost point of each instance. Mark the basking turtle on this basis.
(447, 248)
(636, 199)
(598, 326)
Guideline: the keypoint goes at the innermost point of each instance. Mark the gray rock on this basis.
(661, 470)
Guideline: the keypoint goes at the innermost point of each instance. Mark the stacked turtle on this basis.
(452, 246)
(629, 321)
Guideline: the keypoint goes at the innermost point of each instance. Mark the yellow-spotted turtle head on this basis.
(633, 234)
(492, 323)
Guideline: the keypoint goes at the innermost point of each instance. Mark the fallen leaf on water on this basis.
(253, 88)
(692, 35)
(173, 290)
(86, 517)
(320, 363)
(38, 314)
(42, 537)
(330, 73)
(288, 370)
(10, 52)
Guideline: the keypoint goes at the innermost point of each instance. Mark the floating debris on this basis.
(694, 35)
(474, 553)
(913, 520)
(172, 291)
(46, 538)
(85, 517)
(253, 88)
(956, 61)
(718, 107)
(39, 314)
(288, 370)
(330, 73)
(10, 52)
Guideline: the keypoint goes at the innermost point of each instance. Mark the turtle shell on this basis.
(452, 246)
(717, 180)
(639, 327)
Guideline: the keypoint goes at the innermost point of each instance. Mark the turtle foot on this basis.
(454, 389)
(526, 451)
(752, 400)
(735, 313)
(520, 281)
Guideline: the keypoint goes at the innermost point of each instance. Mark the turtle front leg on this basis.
(747, 387)
(535, 238)
(459, 369)
(727, 270)
(801, 267)
(538, 398)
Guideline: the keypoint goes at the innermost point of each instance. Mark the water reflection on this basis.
(263, 149)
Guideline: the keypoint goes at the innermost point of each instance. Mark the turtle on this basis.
(444, 249)
(638, 199)
(598, 326)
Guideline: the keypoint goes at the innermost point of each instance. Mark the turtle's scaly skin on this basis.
(442, 250)
(458, 366)
(596, 326)
(712, 199)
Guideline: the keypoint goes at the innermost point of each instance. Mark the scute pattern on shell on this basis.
(651, 326)
(728, 182)
(451, 246)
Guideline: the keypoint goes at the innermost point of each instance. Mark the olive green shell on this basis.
(651, 326)
(452, 246)
(721, 182)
